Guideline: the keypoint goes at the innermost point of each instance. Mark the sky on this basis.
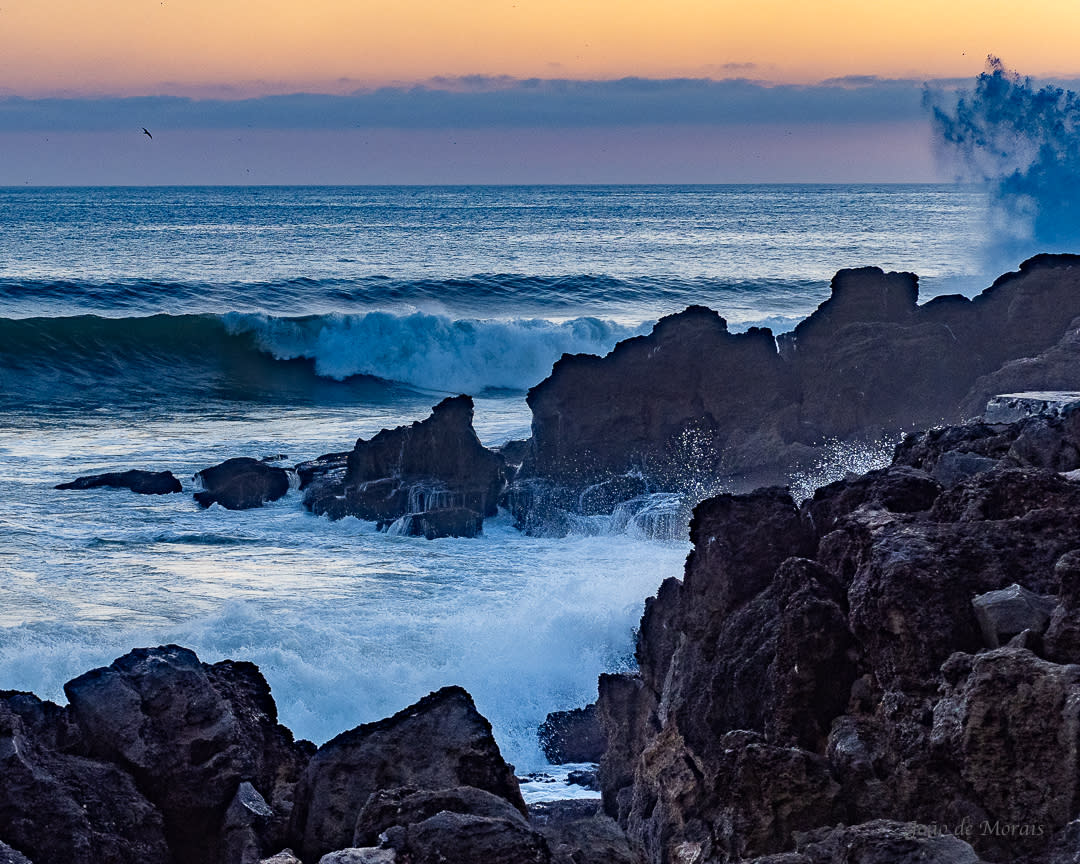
(467, 91)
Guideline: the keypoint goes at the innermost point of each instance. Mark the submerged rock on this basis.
(435, 469)
(241, 484)
(139, 482)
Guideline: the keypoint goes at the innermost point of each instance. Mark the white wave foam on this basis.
(433, 352)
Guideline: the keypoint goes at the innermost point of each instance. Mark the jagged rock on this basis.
(585, 779)
(1062, 639)
(139, 482)
(1010, 726)
(884, 842)
(321, 466)
(578, 833)
(1010, 611)
(437, 464)
(440, 742)
(189, 733)
(952, 467)
(663, 404)
(572, 736)
(12, 856)
(407, 806)
(627, 711)
(898, 489)
(449, 836)
(285, 856)
(241, 484)
(58, 805)
(691, 402)
(445, 522)
(1010, 407)
(245, 826)
(368, 855)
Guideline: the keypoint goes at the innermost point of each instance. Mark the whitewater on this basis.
(174, 328)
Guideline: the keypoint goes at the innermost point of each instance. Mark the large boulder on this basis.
(241, 484)
(435, 472)
(837, 663)
(139, 482)
(438, 743)
(57, 805)
(572, 736)
(665, 404)
(190, 734)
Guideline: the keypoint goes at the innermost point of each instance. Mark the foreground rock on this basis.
(241, 484)
(691, 403)
(139, 482)
(440, 742)
(433, 478)
(159, 758)
(898, 648)
(572, 736)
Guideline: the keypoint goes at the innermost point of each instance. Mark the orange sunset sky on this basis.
(181, 46)
(575, 91)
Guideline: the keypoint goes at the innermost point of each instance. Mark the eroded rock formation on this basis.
(841, 663)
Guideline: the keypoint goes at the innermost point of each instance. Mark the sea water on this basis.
(172, 328)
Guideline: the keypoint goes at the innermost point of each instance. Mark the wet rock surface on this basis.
(241, 484)
(572, 736)
(139, 482)
(434, 475)
(691, 402)
(894, 649)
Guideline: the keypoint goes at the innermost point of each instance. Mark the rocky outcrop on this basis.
(139, 482)
(192, 736)
(691, 404)
(572, 736)
(434, 475)
(897, 648)
(241, 484)
(438, 743)
(159, 758)
(672, 404)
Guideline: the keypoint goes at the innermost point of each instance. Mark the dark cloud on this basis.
(481, 102)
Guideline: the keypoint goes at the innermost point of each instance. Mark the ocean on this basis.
(172, 328)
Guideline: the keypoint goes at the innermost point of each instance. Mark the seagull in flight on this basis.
(146, 132)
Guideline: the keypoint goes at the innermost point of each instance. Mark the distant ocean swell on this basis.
(480, 295)
(167, 352)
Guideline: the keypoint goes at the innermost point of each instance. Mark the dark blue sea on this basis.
(176, 327)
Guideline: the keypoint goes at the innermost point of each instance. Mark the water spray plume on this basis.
(1024, 142)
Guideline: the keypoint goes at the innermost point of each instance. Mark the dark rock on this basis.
(883, 842)
(60, 806)
(1010, 728)
(440, 742)
(285, 856)
(627, 711)
(245, 827)
(241, 484)
(139, 482)
(1010, 611)
(321, 466)
(447, 522)
(408, 806)
(572, 736)
(367, 855)
(12, 856)
(664, 404)
(952, 467)
(464, 837)
(898, 489)
(578, 833)
(437, 464)
(586, 779)
(189, 734)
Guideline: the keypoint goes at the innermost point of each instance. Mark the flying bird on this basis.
(146, 132)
